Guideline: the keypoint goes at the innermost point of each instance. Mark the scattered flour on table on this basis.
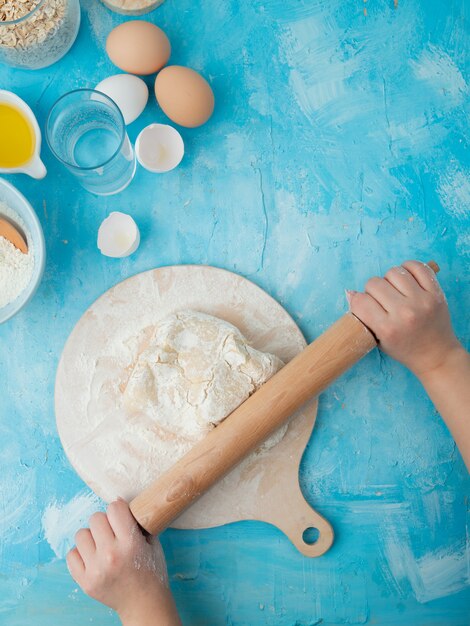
(61, 520)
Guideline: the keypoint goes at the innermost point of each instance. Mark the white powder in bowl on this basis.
(16, 268)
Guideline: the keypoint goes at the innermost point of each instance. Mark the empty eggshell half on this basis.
(129, 92)
(159, 148)
(184, 95)
(118, 235)
(138, 47)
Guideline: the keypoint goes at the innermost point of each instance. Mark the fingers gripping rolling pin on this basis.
(307, 375)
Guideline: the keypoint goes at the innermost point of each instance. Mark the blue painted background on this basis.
(339, 147)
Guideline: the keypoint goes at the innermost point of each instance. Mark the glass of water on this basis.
(86, 132)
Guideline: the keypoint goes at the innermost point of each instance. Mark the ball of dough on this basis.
(195, 371)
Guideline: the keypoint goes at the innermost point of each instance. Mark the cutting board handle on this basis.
(310, 533)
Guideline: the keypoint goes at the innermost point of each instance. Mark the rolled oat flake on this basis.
(36, 33)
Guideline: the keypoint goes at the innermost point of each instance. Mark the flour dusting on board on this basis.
(60, 522)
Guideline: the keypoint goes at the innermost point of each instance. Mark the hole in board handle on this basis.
(310, 535)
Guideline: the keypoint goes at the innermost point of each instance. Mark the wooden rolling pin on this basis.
(307, 375)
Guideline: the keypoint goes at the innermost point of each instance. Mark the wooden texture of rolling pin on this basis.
(307, 375)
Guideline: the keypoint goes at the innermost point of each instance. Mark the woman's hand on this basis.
(407, 311)
(115, 564)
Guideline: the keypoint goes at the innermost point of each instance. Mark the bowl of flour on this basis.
(20, 274)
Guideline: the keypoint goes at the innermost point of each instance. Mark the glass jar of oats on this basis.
(37, 33)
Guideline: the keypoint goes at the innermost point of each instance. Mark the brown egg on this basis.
(138, 47)
(184, 95)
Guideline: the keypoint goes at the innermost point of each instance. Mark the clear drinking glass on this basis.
(86, 132)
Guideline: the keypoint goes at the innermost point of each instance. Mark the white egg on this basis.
(118, 235)
(129, 92)
(159, 148)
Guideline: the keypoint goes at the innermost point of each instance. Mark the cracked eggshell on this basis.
(129, 92)
(159, 148)
(118, 235)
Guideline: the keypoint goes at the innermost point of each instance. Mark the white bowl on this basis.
(18, 203)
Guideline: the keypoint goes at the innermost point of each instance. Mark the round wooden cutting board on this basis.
(265, 486)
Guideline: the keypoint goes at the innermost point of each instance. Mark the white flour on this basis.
(16, 268)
